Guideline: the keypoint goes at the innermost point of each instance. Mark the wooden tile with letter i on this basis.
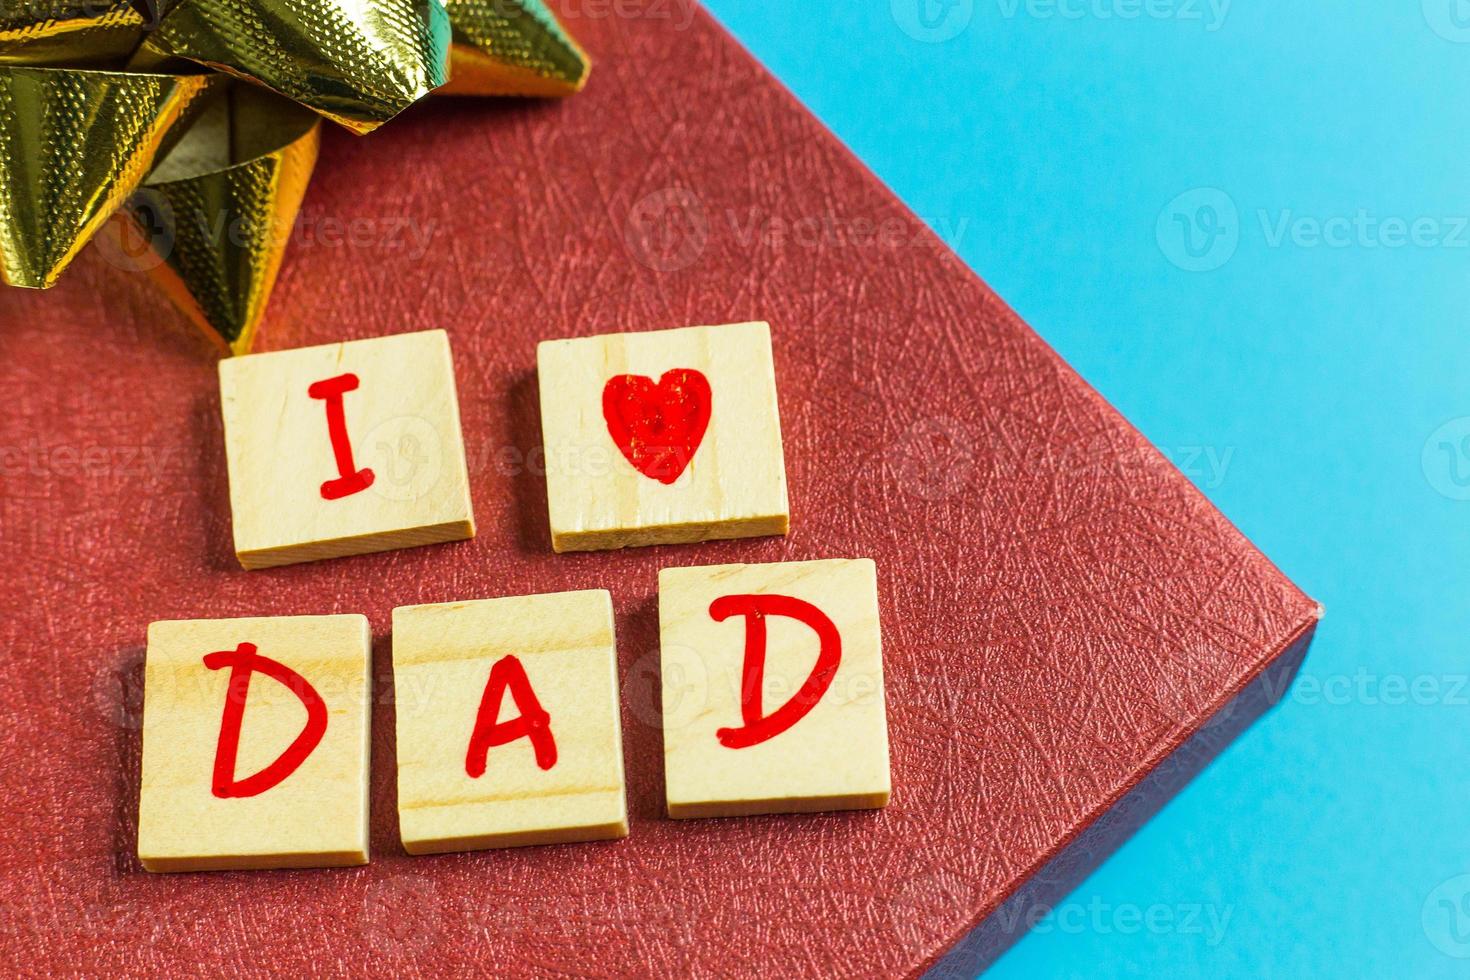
(664, 437)
(508, 725)
(344, 449)
(772, 688)
(255, 744)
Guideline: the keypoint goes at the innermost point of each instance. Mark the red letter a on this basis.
(534, 723)
(243, 662)
(758, 726)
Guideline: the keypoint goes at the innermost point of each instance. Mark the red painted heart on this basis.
(658, 427)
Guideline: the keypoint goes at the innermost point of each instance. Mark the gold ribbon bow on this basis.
(140, 111)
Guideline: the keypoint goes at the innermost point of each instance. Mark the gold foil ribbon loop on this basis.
(512, 47)
(212, 224)
(73, 145)
(359, 62)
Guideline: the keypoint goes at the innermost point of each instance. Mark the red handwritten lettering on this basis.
(243, 662)
(534, 723)
(350, 479)
(760, 727)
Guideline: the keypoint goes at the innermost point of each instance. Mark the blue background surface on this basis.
(1302, 355)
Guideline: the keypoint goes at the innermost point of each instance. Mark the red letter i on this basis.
(350, 479)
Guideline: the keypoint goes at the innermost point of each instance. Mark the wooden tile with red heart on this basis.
(664, 437)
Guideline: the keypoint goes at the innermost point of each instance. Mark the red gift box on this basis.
(1071, 630)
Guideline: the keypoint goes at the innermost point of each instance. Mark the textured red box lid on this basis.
(1062, 610)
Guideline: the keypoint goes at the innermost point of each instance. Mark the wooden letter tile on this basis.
(810, 732)
(508, 723)
(255, 744)
(344, 449)
(662, 438)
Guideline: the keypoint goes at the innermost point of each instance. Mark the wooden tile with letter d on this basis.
(255, 744)
(772, 688)
(664, 437)
(344, 449)
(508, 723)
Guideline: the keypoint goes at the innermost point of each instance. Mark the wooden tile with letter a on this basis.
(255, 744)
(662, 438)
(344, 449)
(772, 688)
(508, 729)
